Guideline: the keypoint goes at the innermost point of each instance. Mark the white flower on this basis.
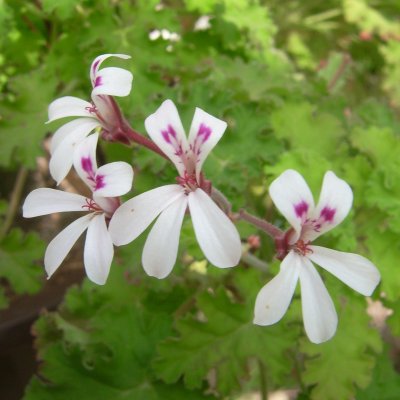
(215, 232)
(102, 113)
(293, 198)
(106, 182)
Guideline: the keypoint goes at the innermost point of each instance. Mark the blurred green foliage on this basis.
(307, 85)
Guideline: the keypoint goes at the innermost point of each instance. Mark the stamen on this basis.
(301, 247)
(91, 205)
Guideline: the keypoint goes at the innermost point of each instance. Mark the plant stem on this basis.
(263, 380)
(14, 201)
(265, 226)
(221, 199)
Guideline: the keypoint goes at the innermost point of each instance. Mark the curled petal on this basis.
(114, 179)
(99, 60)
(113, 82)
(69, 106)
(205, 132)
(333, 206)
(161, 248)
(166, 130)
(99, 250)
(61, 245)
(217, 235)
(354, 270)
(274, 298)
(293, 198)
(135, 215)
(45, 201)
(319, 314)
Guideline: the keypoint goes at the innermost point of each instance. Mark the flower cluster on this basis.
(109, 223)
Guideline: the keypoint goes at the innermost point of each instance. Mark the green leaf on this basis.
(345, 362)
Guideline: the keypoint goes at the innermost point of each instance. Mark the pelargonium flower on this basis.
(292, 196)
(106, 183)
(215, 232)
(101, 113)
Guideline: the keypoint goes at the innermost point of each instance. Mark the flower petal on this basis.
(166, 130)
(293, 198)
(319, 314)
(85, 162)
(62, 158)
(135, 215)
(274, 298)
(45, 201)
(112, 81)
(99, 60)
(354, 270)
(99, 250)
(78, 128)
(114, 179)
(333, 206)
(215, 232)
(69, 106)
(61, 245)
(205, 132)
(161, 247)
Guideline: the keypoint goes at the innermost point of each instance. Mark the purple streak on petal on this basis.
(204, 132)
(98, 81)
(87, 166)
(95, 66)
(100, 182)
(301, 208)
(168, 133)
(328, 214)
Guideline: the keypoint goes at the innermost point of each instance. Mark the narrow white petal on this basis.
(114, 179)
(99, 250)
(293, 198)
(85, 162)
(45, 201)
(73, 131)
(333, 206)
(319, 314)
(274, 298)
(166, 130)
(68, 106)
(215, 232)
(61, 245)
(205, 132)
(135, 215)
(113, 82)
(99, 60)
(161, 248)
(354, 270)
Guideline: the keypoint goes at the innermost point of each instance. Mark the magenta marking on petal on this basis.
(328, 214)
(95, 66)
(98, 81)
(204, 132)
(87, 166)
(100, 182)
(301, 208)
(168, 133)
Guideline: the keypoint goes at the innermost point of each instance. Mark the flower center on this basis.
(301, 247)
(91, 205)
(188, 182)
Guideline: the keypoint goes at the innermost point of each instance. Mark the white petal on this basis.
(135, 215)
(293, 198)
(85, 162)
(107, 204)
(354, 270)
(215, 232)
(61, 245)
(99, 250)
(161, 247)
(274, 298)
(114, 179)
(333, 206)
(319, 314)
(113, 82)
(205, 132)
(166, 130)
(62, 158)
(98, 61)
(78, 128)
(68, 106)
(45, 201)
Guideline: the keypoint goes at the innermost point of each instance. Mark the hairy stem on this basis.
(262, 224)
(14, 201)
(221, 200)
